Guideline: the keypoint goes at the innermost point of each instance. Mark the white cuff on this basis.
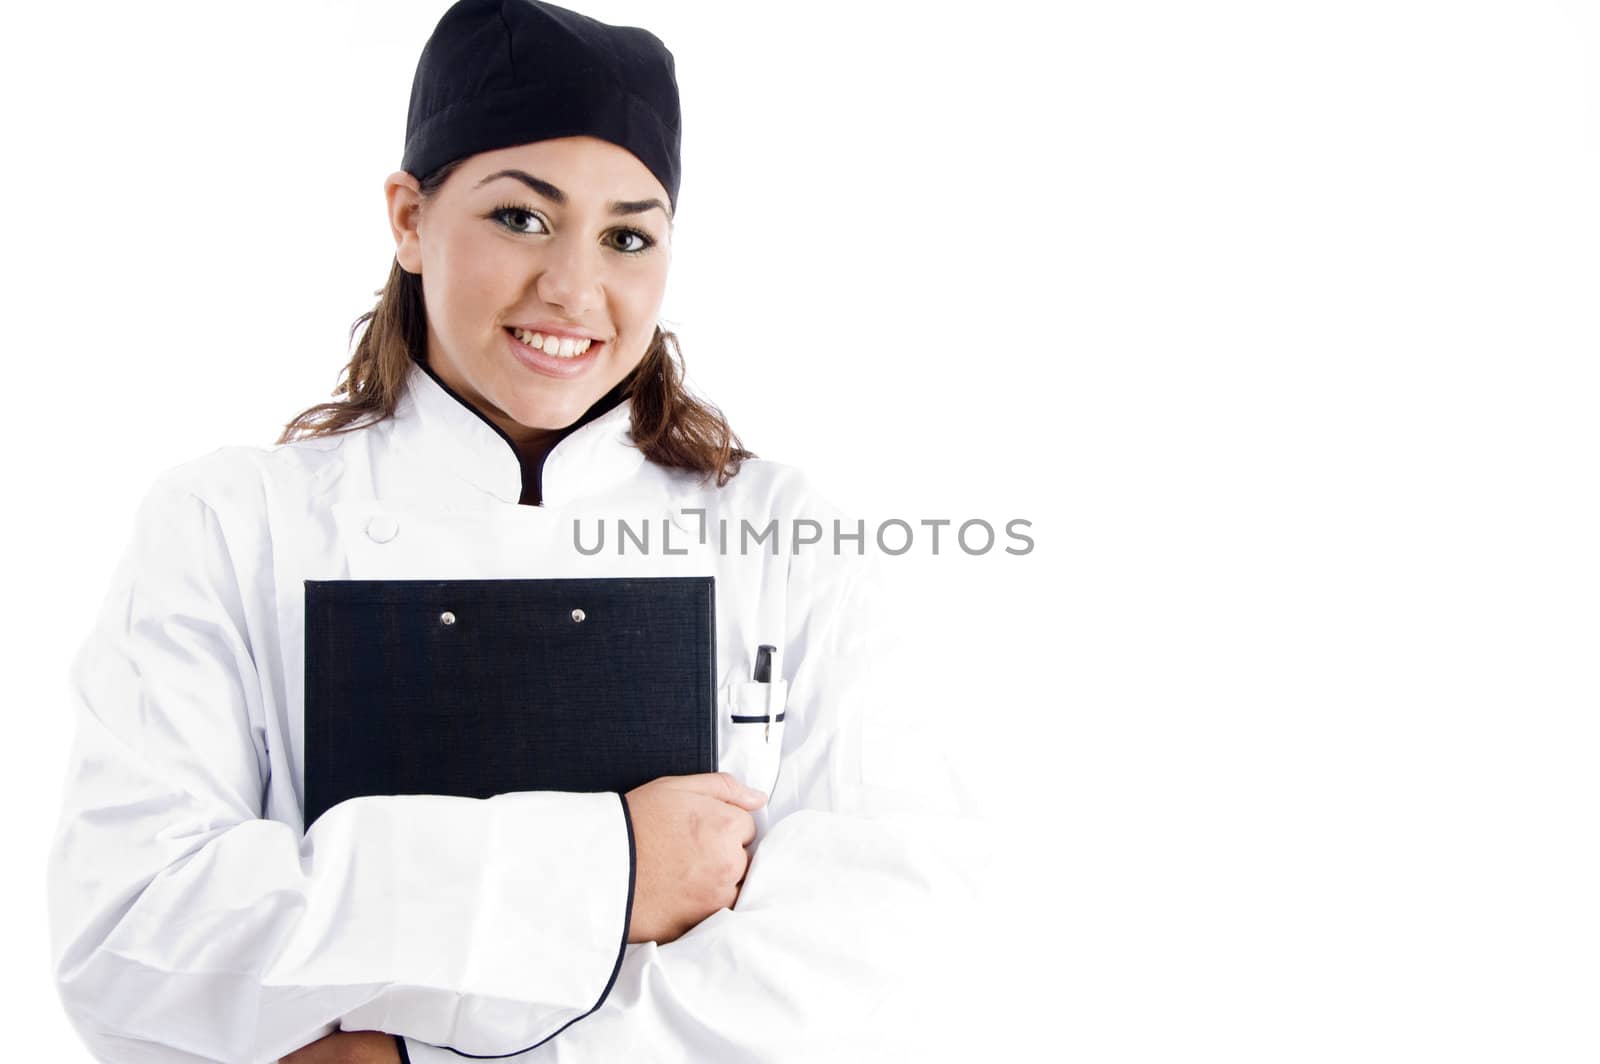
(554, 899)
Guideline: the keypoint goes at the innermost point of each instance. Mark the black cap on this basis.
(497, 73)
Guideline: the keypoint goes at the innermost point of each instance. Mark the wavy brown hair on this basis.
(670, 425)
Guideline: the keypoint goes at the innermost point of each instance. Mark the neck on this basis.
(533, 445)
(530, 444)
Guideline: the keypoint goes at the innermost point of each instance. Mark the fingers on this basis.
(724, 786)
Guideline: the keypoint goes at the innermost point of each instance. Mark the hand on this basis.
(689, 834)
(348, 1047)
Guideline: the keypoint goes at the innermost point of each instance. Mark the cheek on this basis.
(638, 306)
(467, 279)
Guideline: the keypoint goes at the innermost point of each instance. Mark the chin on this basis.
(549, 415)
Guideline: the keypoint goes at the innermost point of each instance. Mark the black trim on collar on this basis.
(623, 389)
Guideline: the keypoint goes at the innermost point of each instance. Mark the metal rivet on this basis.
(447, 617)
(577, 615)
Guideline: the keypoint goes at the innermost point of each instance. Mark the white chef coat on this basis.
(194, 919)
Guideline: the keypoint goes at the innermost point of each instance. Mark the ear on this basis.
(404, 196)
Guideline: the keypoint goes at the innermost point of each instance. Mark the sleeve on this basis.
(185, 927)
(866, 874)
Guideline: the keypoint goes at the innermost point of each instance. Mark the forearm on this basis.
(411, 916)
(835, 913)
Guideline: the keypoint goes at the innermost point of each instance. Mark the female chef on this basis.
(512, 387)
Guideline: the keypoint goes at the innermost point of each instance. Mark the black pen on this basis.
(763, 675)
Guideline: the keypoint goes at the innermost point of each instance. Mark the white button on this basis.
(382, 529)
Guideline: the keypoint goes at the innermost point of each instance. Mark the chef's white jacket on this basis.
(193, 918)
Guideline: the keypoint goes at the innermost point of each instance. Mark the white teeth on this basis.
(555, 346)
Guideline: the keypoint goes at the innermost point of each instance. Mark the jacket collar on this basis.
(595, 453)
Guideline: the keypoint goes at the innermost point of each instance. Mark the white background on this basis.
(1277, 320)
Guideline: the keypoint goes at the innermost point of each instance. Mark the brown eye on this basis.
(516, 218)
(630, 241)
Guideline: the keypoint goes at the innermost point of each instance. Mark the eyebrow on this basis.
(551, 192)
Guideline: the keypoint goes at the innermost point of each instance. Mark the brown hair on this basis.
(670, 425)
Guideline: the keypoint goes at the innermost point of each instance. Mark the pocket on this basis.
(752, 725)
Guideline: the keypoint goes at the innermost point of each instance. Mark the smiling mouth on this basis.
(554, 346)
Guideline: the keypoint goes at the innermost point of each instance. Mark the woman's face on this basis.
(549, 244)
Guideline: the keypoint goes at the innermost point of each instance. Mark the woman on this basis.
(512, 387)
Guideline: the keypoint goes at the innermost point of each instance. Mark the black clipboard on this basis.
(483, 687)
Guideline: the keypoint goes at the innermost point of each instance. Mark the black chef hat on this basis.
(497, 73)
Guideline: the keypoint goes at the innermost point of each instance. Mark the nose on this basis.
(569, 276)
